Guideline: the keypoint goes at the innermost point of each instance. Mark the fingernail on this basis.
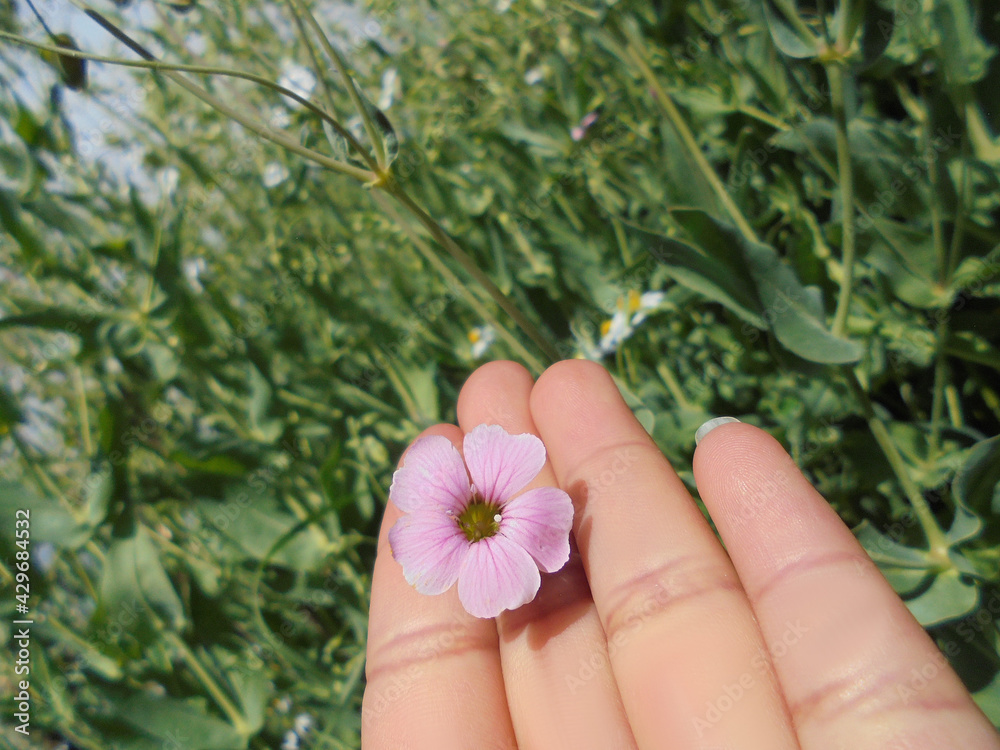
(711, 425)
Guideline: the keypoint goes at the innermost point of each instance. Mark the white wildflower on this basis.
(481, 337)
(275, 173)
(298, 78)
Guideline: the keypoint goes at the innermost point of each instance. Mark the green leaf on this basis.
(988, 699)
(97, 494)
(964, 53)
(906, 568)
(387, 132)
(965, 526)
(906, 257)
(258, 405)
(176, 723)
(423, 387)
(336, 478)
(162, 361)
(719, 275)
(849, 12)
(252, 688)
(31, 244)
(134, 578)
(750, 279)
(887, 551)
(220, 464)
(50, 521)
(786, 37)
(876, 31)
(948, 598)
(795, 312)
(976, 483)
(252, 519)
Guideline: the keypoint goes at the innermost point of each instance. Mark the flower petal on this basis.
(539, 521)
(433, 476)
(430, 547)
(501, 464)
(496, 575)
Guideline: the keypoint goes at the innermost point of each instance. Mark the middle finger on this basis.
(689, 659)
(555, 662)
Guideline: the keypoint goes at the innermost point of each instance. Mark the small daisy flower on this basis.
(533, 76)
(299, 79)
(481, 337)
(193, 269)
(303, 723)
(279, 118)
(290, 741)
(275, 173)
(631, 310)
(462, 522)
(168, 180)
(390, 89)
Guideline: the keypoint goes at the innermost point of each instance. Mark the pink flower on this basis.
(578, 131)
(477, 532)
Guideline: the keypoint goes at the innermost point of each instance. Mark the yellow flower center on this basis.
(605, 327)
(632, 305)
(479, 520)
(474, 335)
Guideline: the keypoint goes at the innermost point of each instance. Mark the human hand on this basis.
(652, 636)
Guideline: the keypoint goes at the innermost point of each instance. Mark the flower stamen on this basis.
(479, 520)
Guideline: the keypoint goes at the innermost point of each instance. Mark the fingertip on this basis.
(496, 393)
(573, 374)
(731, 445)
(575, 387)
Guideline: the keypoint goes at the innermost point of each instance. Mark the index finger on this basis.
(434, 679)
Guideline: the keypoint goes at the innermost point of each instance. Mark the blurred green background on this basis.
(213, 350)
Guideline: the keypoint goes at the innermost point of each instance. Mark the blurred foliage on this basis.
(208, 375)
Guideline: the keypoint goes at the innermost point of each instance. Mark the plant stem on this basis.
(673, 385)
(936, 539)
(467, 263)
(318, 67)
(791, 14)
(81, 402)
(622, 240)
(958, 231)
(373, 133)
(940, 383)
(835, 74)
(476, 304)
(937, 221)
(210, 685)
(687, 137)
(255, 126)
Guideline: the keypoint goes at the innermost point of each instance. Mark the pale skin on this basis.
(654, 635)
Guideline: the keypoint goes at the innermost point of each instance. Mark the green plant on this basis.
(206, 385)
